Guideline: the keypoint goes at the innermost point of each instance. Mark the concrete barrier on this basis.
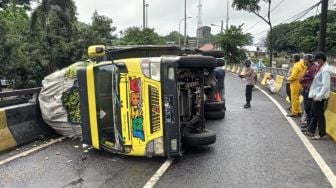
(21, 124)
(278, 83)
(7, 140)
(330, 115)
(234, 68)
(238, 70)
(243, 71)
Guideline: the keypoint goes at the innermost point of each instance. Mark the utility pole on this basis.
(199, 24)
(143, 15)
(323, 26)
(222, 26)
(185, 23)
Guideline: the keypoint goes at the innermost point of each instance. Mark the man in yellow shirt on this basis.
(294, 79)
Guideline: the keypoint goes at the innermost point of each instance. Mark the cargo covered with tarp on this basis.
(59, 101)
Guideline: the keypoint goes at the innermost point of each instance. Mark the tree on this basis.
(206, 36)
(4, 4)
(101, 30)
(174, 37)
(301, 36)
(53, 28)
(231, 42)
(137, 36)
(252, 6)
(14, 56)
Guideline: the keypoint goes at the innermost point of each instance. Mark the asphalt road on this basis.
(255, 148)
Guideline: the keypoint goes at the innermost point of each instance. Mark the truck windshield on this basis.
(108, 105)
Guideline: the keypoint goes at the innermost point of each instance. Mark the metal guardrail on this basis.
(20, 92)
(283, 72)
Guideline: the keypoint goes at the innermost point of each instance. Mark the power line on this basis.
(295, 17)
(302, 14)
(276, 6)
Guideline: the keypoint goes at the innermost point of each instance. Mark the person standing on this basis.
(306, 82)
(319, 92)
(249, 77)
(220, 77)
(295, 86)
(288, 83)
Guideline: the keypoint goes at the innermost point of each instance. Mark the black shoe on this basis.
(292, 115)
(304, 126)
(247, 106)
(289, 109)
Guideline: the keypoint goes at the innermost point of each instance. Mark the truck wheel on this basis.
(197, 138)
(213, 106)
(216, 54)
(220, 62)
(196, 62)
(214, 115)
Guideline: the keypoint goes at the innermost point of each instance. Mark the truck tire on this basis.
(220, 62)
(216, 54)
(196, 62)
(214, 106)
(196, 138)
(214, 115)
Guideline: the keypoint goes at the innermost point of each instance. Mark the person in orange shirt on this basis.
(298, 70)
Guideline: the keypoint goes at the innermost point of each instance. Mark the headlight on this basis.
(155, 147)
(151, 68)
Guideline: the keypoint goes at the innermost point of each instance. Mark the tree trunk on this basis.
(271, 45)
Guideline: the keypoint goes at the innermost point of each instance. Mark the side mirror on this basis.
(122, 67)
(96, 51)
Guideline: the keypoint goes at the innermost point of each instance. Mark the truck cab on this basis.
(146, 101)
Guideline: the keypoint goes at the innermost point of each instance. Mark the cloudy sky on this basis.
(164, 15)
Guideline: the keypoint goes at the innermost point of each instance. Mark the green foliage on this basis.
(253, 6)
(302, 36)
(231, 41)
(53, 26)
(137, 36)
(174, 37)
(14, 46)
(52, 38)
(100, 30)
(71, 104)
(4, 4)
(205, 35)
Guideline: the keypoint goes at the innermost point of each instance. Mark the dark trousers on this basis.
(318, 118)
(248, 93)
(307, 105)
(288, 91)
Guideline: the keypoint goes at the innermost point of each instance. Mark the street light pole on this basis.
(221, 26)
(143, 14)
(147, 15)
(185, 23)
(179, 37)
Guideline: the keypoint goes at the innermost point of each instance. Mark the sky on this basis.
(164, 15)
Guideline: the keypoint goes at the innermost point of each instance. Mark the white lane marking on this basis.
(25, 153)
(313, 152)
(151, 182)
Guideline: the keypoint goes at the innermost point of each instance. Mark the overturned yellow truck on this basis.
(147, 100)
